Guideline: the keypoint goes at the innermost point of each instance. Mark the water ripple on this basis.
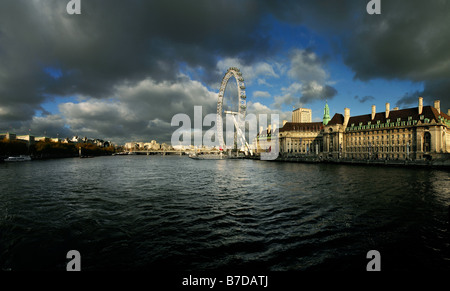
(174, 213)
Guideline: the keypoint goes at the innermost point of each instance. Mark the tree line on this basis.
(47, 149)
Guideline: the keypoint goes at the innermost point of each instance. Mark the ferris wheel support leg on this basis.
(241, 137)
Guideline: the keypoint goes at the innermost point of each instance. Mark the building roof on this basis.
(302, 126)
(428, 112)
(306, 109)
(337, 119)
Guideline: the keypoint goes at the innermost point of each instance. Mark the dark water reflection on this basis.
(174, 213)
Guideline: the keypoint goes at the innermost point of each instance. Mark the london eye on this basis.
(237, 116)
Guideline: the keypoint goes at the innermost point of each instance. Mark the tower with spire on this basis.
(326, 114)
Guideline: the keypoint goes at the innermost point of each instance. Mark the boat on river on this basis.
(20, 158)
(208, 156)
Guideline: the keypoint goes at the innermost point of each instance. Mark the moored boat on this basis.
(20, 158)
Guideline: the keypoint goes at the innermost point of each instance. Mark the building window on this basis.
(427, 142)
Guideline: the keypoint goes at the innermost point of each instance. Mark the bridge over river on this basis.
(166, 152)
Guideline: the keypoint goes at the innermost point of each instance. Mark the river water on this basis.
(175, 213)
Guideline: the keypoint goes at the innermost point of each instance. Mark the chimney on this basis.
(448, 112)
(437, 105)
(284, 122)
(420, 105)
(387, 109)
(346, 116)
(395, 108)
(374, 110)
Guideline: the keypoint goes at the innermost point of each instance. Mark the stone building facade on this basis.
(416, 133)
(419, 133)
(301, 138)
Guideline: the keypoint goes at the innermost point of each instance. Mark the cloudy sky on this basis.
(122, 69)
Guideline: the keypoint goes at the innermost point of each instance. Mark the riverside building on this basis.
(298, 137)
(420, 133)
(301, 138)
(416, 133)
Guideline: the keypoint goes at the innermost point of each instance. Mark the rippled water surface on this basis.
(174, 213)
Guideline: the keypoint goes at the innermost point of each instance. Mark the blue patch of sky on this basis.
(284, 38)
(51, 105)
(383, 91)
(53, 72)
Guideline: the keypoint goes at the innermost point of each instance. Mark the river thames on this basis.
(174, 213)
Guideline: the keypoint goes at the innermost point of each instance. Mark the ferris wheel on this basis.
(237, 116)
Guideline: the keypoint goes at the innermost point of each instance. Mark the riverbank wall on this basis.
(437, 163)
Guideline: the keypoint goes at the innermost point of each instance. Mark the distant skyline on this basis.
(121, 70)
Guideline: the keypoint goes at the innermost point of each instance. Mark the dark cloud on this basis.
(408, 99)
(312, 92)
(433, 90)
(140, 112)
(115, 40)
(408, 41)
(117, 43)
(364, 99)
